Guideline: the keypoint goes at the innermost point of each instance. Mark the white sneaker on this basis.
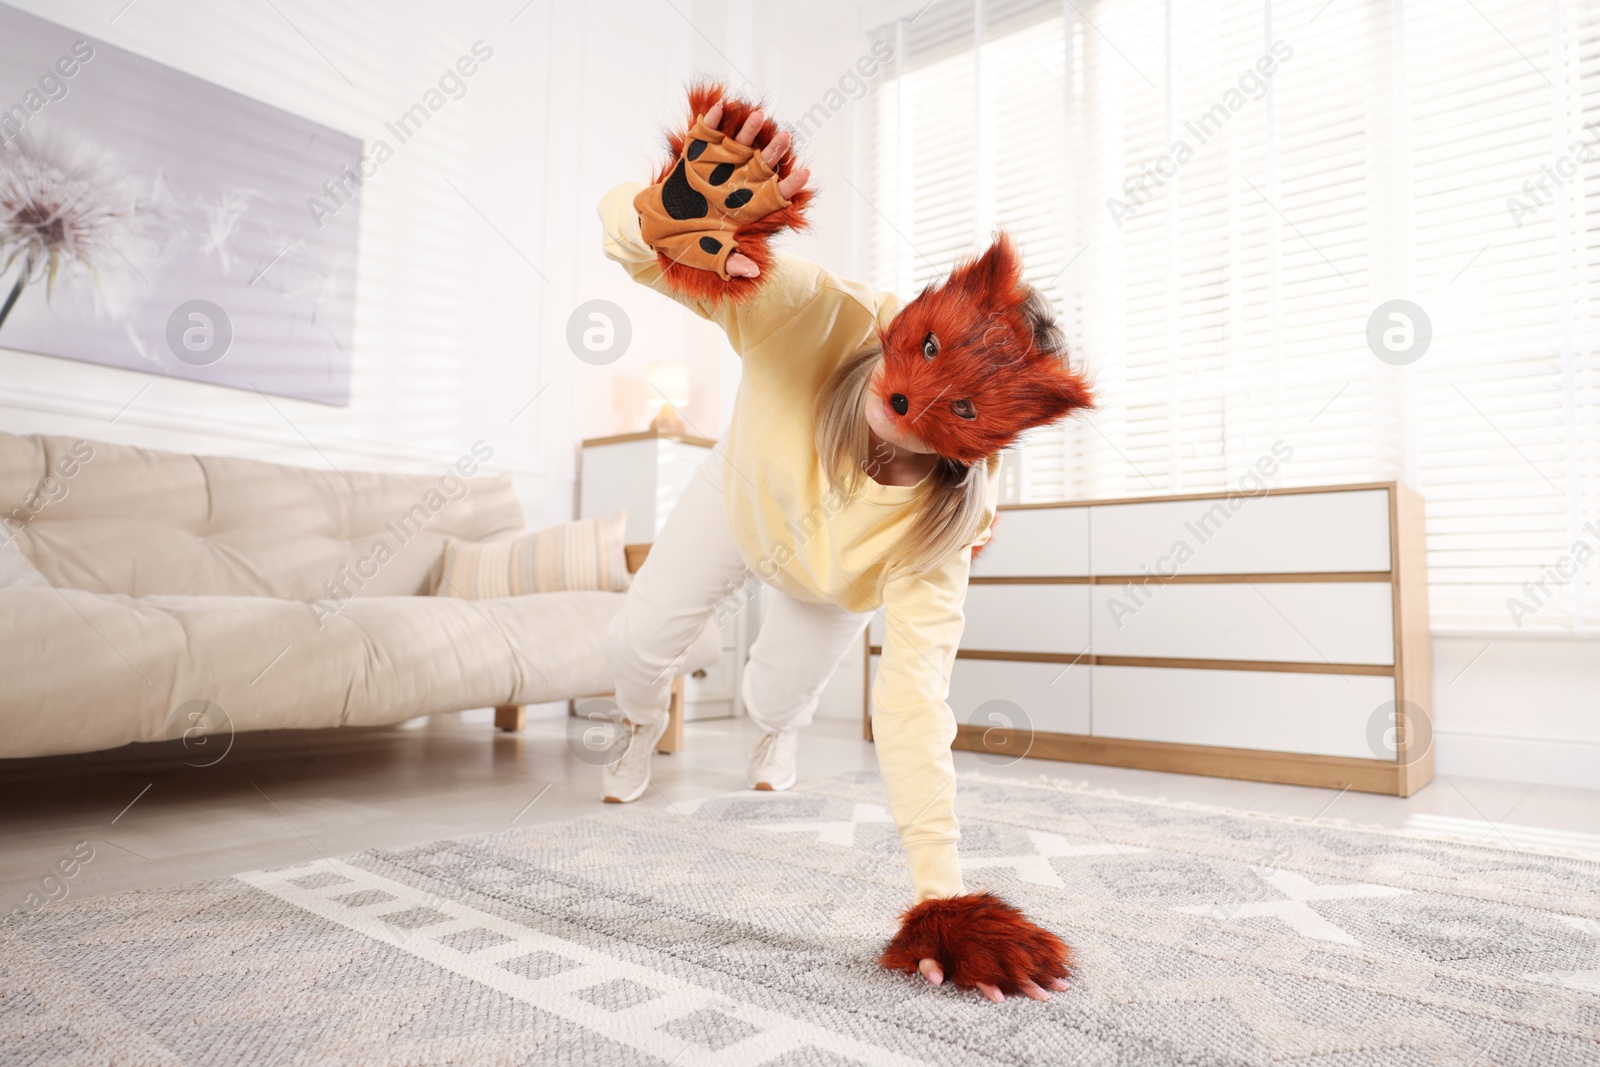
(628, 776)
(772, 763)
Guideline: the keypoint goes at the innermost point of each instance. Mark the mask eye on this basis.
(964, 409)
(930, 346)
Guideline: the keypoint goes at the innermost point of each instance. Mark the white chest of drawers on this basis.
(644, 474)
(1280, 637)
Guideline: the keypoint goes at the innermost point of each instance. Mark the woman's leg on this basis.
(693, 566)
(797, 651)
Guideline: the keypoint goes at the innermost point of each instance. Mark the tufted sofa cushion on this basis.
(86, 672)
(119, 520)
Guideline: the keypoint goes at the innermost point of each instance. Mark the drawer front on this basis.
(1019, 618)
(1027, 618)
(1035, 542)
(1319, 714)
(1313, 622)
(710, 709)
(1053, 697)
(1050, 699)
(1278, 534)
(717, 683)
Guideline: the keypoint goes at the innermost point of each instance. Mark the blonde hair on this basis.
(951, 506)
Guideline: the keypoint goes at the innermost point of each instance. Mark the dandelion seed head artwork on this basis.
(156, 222)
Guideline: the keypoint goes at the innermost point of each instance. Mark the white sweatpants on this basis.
(692, 568)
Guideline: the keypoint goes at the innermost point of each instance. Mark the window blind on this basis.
(1220, 200)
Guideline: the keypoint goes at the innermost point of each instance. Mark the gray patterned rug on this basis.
(742, 930)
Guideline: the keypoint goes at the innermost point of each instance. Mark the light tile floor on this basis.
(282, 798)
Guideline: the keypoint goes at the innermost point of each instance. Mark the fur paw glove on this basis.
(977, 938)
(716, 197)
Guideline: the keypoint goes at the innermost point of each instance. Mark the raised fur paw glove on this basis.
(716, 197)
(977, 938)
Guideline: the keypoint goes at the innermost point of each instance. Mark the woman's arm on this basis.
(796, 295)
(924, 616)
(977, 940)
(913, 725)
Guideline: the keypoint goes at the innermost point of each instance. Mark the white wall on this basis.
(1521, 709)
(455, 331)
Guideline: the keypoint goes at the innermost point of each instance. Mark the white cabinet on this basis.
(1278, 636)
(645, 474)
(709, 692)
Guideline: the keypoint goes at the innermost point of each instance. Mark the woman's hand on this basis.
(738, 265)
(711, 210)
(930, 970)
(979, 942)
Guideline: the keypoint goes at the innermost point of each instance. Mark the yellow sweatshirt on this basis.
(805, 539)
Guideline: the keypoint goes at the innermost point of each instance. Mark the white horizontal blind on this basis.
(1506, 419)
(965, 141)
(1581, 50)
(1218, 197)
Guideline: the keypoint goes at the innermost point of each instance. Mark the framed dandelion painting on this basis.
(156, 222)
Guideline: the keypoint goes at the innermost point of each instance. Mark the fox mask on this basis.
(971, 363)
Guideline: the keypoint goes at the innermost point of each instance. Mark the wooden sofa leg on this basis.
(510, 717)
(672, 740)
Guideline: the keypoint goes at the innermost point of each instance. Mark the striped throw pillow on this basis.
(587, 554)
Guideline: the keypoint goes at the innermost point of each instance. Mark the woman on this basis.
(858, 474)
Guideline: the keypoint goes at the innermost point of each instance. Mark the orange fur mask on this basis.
(972, 363)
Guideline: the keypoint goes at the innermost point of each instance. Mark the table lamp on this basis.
(669, 391)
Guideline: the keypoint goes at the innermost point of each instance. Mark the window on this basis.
(1224, 200)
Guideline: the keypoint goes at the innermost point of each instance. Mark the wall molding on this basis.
(1567, 762)
(1508, 735)
(170, 420)
(1509, 634)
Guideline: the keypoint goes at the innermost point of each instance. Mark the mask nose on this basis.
(899, 402)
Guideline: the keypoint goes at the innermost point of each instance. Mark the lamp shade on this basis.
(669, 382)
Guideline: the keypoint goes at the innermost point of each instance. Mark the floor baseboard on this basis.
(1535, 760)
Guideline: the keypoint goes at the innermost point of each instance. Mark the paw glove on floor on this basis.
(977, 938)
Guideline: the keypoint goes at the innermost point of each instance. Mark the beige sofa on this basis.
(287, 597)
